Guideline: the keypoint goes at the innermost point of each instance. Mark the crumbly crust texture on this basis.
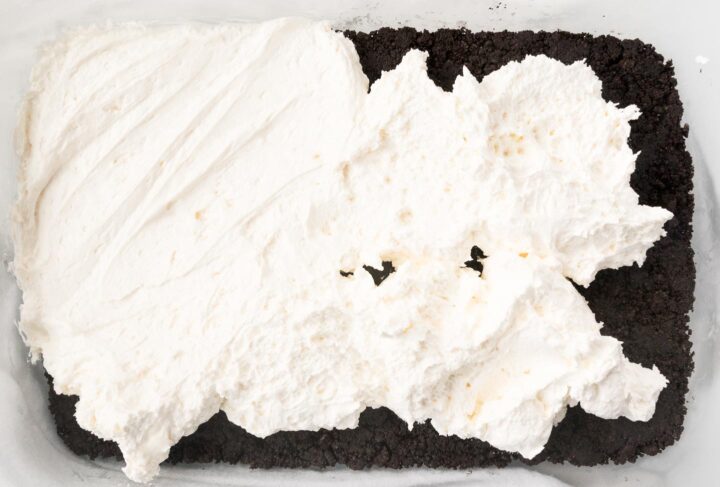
(644, 307)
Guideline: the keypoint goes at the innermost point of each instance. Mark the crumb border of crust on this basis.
(628, 300)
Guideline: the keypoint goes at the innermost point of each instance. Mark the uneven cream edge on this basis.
(169, 173)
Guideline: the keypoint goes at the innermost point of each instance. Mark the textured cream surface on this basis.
(188, 195)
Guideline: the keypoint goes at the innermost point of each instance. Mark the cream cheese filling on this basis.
(189, 194)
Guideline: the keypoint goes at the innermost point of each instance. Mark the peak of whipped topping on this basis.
(204, 211)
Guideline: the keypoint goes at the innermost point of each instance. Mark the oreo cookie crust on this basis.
(644, 307)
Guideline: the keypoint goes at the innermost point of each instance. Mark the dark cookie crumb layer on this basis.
(645, 307)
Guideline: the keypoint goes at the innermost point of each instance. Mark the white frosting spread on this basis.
(188, 195)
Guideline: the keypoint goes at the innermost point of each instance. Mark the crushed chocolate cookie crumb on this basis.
(644, 307)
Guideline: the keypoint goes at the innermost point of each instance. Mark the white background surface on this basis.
(32, 455)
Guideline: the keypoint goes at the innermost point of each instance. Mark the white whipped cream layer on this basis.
(188, 195)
